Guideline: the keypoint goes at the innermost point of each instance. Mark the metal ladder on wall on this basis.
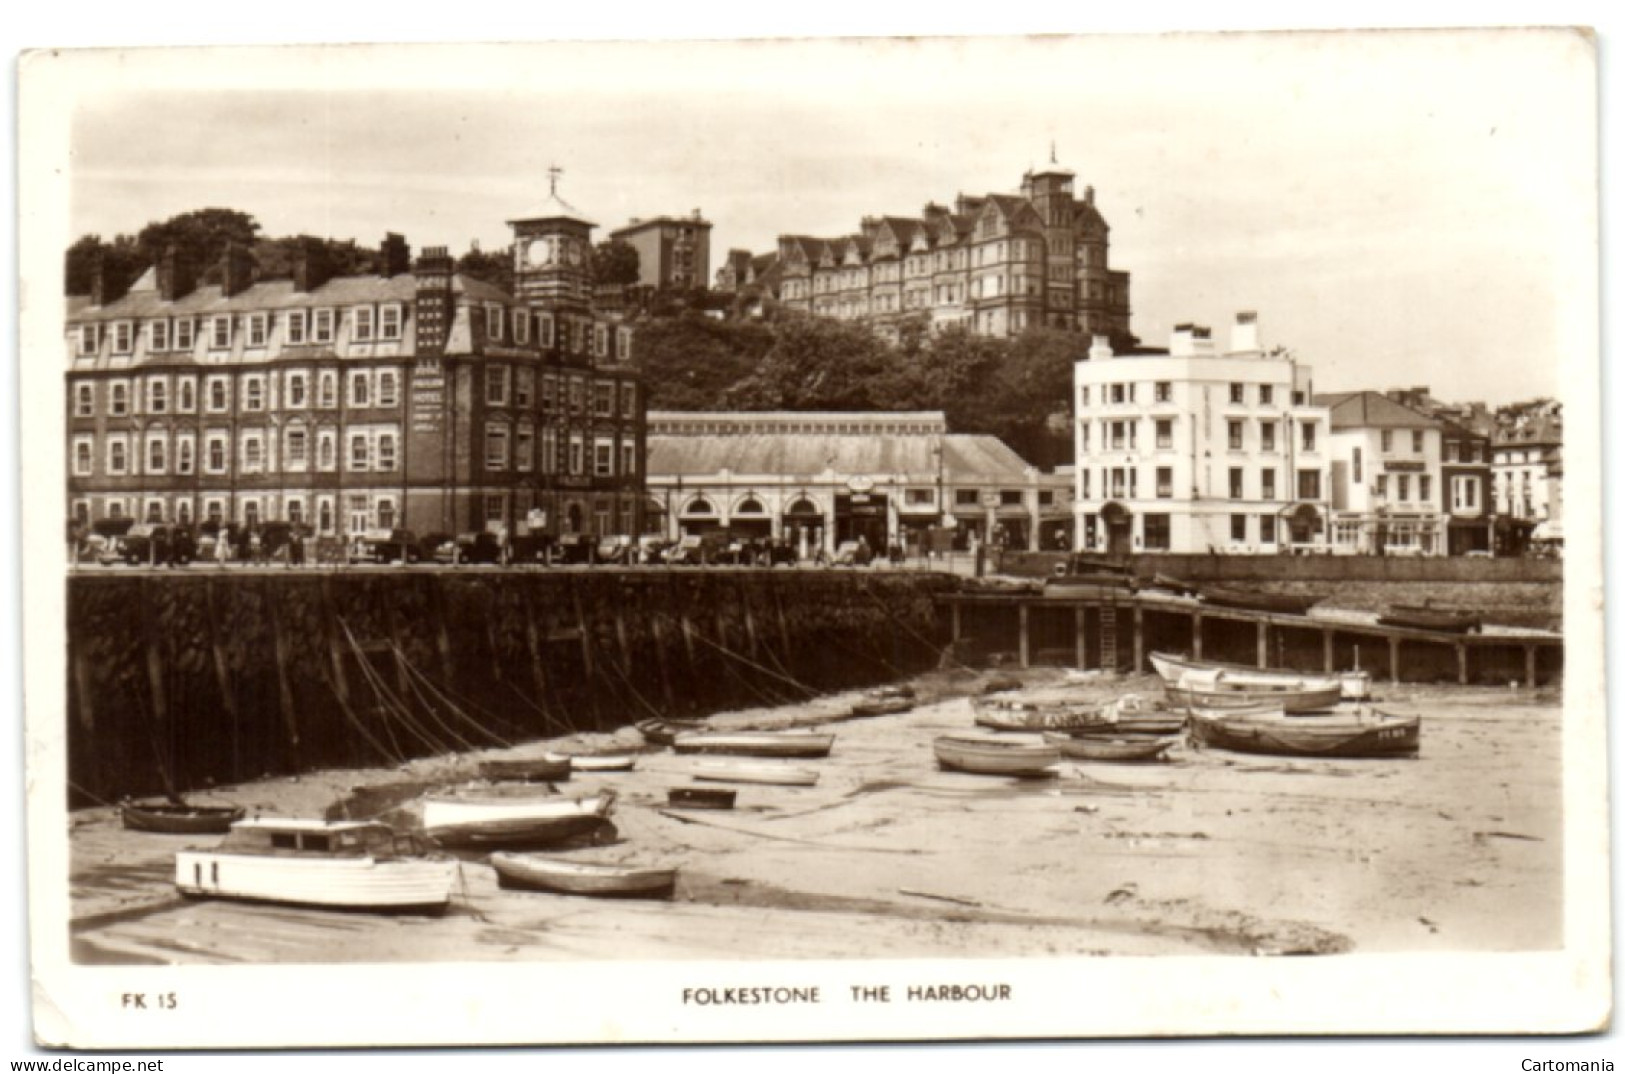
(1108, 636)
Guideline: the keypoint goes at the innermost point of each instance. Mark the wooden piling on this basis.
(1327, 651)
(1080, 635)
(1139, 639)
(1263, 631)
(1024, 621)
(1529, 666)
(1196, 635)
(1393, 658)
(1461, 663)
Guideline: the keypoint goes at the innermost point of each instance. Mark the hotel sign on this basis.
(1406, 466)
(428, 399)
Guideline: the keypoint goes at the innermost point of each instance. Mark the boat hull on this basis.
(534, 873)
(1122, 749)
(1290, 700)
(998, 715)
(992, 758)
(359, 883)
(701, 797)
(1295, 737)
(665, 732)
(180, 820)
(528, 770)
(1206, 684)
(1278, 603)
(1428, 619)
(735, 772)
(604, 763)
(757, 744)
(538, 821)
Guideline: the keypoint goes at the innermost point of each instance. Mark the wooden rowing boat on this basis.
(1170, 584)
(990, 756)
(534, 872)
(548, 768)
(512, 816)
(663, 732)
(782, 775)
(1004, 714)
(1104, 746)
(1364, 733)
(757, 743)
(701, 797)
(1251, 600)
(1205, 684)
(1092, 586)
(603, 762)
(881, 706)
(350, 865)
(1423, 617)
(170, 818)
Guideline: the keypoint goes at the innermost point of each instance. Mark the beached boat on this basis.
(533, 872)
(701, 797)
(661, 732)
(782, 775)
(353, 865)
(1004, 714)
(178, 818)
(990, 756)
(1252, 600)
(1092, 586)
(1423, 617)
(512, 816)
(603, 762)
(1168, 583)
(548, 768)
(1206, 684)
(1362, 733)
(1104, 746)
(757, 743)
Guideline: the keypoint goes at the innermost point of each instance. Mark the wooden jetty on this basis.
(1120, 620)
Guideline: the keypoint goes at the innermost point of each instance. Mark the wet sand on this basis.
(890, 857)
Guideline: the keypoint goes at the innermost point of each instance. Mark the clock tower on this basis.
(552, 249)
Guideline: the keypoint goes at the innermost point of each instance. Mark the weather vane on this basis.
(553, 173)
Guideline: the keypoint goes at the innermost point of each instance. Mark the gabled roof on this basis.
(806, 454)
(1372, 410)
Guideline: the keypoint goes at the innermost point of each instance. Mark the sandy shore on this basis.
(888, 856)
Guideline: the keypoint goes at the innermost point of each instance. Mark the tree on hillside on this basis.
(615, 263)
(121, 260)
(691, 362)
(200, 236)
(492, 267)
(277, 257)
(819, 364)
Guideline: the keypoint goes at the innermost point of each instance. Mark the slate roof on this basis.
(143, 300)
(1372, 410)
(795, 455)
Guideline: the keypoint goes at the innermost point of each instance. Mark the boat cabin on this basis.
(334, 838)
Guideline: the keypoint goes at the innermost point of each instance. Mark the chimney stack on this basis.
(1244, 334)
(432, 306)
(311, 266)
(1100, 349)
(177, 276)
(236, 270)
(98, 279)
(1190, 340)
(397, 255)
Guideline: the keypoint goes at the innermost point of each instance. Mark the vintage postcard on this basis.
(814, 540)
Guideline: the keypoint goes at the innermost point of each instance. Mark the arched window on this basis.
(699, 505)
(749, 506)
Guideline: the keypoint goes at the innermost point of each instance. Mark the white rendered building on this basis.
(1191, 450)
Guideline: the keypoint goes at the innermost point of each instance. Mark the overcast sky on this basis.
(1399, 208)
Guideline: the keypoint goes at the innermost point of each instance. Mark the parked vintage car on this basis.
(158, 544)
(772, 551)
(652, 549)
(571, 548)
(615, 550)
(532, 548)
(481, 547)
(104, 543)
(392, 546)
(852, 554)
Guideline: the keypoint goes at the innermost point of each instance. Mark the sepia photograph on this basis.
(814, 539)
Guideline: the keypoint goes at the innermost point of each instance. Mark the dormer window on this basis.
(158, 335)
(389, 321)
(321, 326)
(90, 339)
(123, 337)
(296, 327)
(258, 329)
(493, 322)
(220, 333)
(363, 324)
(185, 333)
(521, 326)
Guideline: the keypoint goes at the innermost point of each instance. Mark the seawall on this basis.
(177, 681)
